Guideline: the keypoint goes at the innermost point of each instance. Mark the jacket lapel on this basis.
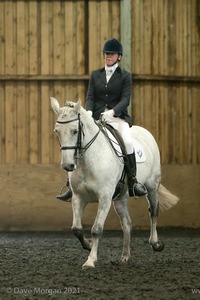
(116, 74)
(103, 75)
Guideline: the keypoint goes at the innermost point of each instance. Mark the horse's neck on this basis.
(98, 160)
(90, 127)
(92, 130)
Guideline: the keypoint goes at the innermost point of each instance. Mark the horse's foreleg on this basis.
(96, 232)
(78, 209)
(121, 208)
(79, 233)
(156, 244)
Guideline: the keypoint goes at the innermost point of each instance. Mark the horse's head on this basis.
(68, 129)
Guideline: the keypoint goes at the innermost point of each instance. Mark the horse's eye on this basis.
(75, 131)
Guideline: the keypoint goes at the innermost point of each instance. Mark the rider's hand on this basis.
(108, 115)
(89, 113)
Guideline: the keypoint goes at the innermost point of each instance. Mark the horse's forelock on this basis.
(70, 104)
(67, 110)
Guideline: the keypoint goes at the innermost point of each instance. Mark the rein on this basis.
(79, 150)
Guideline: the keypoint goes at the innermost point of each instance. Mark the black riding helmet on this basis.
(113, 46)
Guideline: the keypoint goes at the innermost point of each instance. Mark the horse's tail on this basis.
(166, 199)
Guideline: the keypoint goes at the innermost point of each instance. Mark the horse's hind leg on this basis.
(78, 209)
(121, 208)
(152, 199)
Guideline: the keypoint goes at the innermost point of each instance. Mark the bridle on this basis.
(79, 150)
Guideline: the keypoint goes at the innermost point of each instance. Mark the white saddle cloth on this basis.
(139, 151)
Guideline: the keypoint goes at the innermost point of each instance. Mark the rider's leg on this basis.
(67, 195)
(135, 188)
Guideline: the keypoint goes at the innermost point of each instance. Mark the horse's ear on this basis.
(55, 105)
(78, 105)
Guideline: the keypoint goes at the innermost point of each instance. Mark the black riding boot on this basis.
(67, 195)
(134, 187)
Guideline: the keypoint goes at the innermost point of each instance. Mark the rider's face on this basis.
(111, 58)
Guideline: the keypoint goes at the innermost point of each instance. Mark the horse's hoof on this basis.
(87, 244)
(86, 265)
(124, 259)
(159, 246)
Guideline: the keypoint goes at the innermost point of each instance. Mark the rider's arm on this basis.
(125, 95)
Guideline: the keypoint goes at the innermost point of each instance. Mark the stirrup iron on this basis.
(66, 197)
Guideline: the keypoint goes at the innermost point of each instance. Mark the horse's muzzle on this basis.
(68, 167)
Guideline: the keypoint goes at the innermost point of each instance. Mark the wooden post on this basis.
(125, 20)
(198, 18)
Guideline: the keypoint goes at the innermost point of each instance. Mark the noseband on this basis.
(79, 150)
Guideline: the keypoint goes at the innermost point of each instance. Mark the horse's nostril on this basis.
(67, 167)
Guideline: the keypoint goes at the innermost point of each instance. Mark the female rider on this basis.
(109, 95)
